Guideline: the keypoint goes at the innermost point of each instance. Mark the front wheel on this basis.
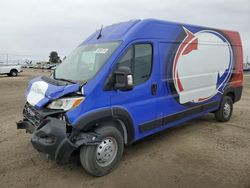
(225, 111)
(101, 159)
(13, 73)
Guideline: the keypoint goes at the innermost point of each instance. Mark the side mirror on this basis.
(123, 78)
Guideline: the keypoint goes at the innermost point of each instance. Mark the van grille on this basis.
(30, 113)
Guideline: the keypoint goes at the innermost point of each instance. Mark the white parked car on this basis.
(10, 70)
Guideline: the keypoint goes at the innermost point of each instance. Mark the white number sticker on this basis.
(101, 50)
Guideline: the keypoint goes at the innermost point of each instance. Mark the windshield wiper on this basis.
(65, 80)
(84, 82)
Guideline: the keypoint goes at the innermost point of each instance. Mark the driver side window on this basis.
(127, 58)
(139, 59)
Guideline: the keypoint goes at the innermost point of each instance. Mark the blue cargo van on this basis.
(130, 80)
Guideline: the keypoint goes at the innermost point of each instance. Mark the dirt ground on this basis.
(201, 153)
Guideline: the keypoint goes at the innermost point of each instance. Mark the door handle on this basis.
(153, 88)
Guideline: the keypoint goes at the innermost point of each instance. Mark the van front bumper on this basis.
(50, 137)
(52, 140)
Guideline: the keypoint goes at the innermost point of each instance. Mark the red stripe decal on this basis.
(179, 83)
(192, 46)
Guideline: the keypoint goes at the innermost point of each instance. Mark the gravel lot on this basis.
(201, 153)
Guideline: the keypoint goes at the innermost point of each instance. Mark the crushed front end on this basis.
(51, 131)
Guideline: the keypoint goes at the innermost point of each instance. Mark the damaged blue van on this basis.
(128, 81)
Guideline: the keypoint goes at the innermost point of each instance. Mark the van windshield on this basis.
(85, 61)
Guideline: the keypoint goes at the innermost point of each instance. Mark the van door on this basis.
(140, 102)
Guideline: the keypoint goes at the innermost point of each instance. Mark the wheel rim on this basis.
(106, 151)
(226, 110)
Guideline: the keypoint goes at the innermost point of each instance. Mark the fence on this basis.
(9, 58)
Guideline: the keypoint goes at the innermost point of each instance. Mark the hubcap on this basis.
(106, 151)
(226, 110)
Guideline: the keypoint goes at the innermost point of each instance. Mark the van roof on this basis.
(112, 32)
(139, 29)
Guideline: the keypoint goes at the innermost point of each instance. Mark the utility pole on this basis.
(7, 58)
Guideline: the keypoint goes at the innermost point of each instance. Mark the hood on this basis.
(42, 90)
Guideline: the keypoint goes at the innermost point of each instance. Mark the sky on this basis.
(34, 28)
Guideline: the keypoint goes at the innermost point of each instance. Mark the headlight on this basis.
(65, 103)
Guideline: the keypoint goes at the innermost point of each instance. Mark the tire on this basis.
(13, 73)
(225, 111)
(93, 158)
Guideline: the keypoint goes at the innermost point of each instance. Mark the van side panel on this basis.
(198, 67)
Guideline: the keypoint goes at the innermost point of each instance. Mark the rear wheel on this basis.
(13, 73)
(225, 111)
(101, 159)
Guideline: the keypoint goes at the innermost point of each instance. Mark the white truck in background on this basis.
(10, 70)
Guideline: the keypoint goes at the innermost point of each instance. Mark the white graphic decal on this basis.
(37, 92)
(202, 65)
